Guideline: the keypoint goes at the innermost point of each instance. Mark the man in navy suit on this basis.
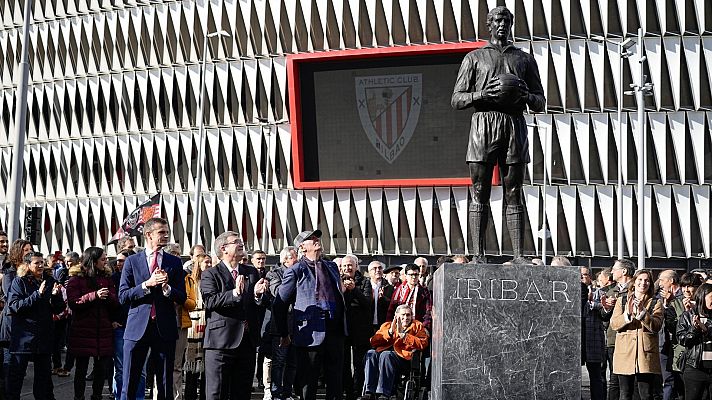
(151, 282)
(231, 294)
(314, 287)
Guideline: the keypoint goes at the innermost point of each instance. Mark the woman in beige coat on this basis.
(637, 318)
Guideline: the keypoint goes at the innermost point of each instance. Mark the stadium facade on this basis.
(112, 120)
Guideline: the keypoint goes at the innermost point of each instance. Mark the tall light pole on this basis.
(201, 142)
(623, 53)
(18, 148)
(641, 89)
(267, 133)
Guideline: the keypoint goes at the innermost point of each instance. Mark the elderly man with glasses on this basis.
(314, 289)
(412, 293)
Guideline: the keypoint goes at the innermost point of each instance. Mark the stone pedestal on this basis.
(506, 332)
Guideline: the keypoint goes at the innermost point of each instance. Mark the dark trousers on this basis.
(382, 371)
(697, 382)
(229, 373)
(284, 369)
(162, 355)
(673, 387)
(330, 354)
(645, 383)
(194, 386)
(598, 385)
(42, 387)
(613, 384)
(101, 367)
(353, 384)
(59, 340)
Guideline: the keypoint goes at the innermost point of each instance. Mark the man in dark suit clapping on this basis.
(151, 282)
(231, 294)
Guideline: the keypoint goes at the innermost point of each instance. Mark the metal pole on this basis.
(641, 153)
(543, 230)
(268, 184)
(619, 198)
(18, 149)
(201, 144)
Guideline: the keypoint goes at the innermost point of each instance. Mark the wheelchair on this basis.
(414, 384)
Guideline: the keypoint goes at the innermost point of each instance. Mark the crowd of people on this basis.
(153, 326)
(646, 336)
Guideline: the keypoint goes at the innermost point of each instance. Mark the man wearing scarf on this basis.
(412, 293)
(313, 286)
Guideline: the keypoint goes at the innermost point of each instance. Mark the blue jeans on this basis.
(284, 369)
(382, 371)
(119, 367)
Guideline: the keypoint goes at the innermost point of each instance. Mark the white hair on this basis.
(351, 257)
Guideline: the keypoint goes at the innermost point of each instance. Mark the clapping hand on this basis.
(687, 303)
(41, 290)
(102, 293)
(261, 287)
(240, 284)
(56, 288)
(158, 277)
(698, 324)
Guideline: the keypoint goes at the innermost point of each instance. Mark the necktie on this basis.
(154, 265)
(234, 274)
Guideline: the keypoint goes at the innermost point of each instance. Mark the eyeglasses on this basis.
(236, 242)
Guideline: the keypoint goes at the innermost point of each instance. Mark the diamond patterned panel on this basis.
(115, 85)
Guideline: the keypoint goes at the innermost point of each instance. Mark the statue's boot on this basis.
(515, 224)
(478, 218)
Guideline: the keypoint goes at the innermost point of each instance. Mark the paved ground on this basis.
(63, 388)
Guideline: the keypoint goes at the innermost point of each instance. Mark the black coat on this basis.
(225, 313)
(359, 317)
(692, 339)
(32, 326)
(381, 303)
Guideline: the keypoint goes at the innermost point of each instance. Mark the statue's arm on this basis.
(462, 97)
(535, 99)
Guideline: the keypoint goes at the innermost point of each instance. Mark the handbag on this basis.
(197, 326)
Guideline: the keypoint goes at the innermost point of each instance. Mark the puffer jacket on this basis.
(91, 333)
(692, 339)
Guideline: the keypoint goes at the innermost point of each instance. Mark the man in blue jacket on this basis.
(313, 286)
(151, 282)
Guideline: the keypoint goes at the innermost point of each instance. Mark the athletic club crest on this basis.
(389, 106)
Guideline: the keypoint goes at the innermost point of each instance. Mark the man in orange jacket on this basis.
(394, 345)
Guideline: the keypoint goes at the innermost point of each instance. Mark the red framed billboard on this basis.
(378, 117)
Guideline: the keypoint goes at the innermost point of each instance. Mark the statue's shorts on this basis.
(497, 137)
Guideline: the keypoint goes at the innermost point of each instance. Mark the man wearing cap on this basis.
(392, 275)
(313, 287)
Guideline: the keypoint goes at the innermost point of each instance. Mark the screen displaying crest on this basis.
(380, 119)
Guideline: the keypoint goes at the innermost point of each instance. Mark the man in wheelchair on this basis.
(394, 344)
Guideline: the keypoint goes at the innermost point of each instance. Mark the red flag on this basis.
(133, 224)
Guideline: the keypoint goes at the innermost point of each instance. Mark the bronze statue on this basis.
(498, 81)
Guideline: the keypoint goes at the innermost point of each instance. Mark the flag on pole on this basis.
(133, 224)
